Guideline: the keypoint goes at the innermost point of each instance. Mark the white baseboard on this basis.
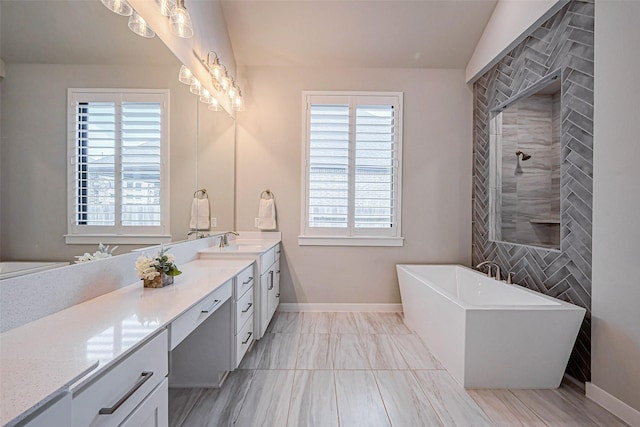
(614, 405)
(390, 308)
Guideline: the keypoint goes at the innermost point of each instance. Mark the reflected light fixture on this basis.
(232, 92)
(121, 7)
(214, 105)
(180, 21)
(138, 25)
(196, 87)
(185, 76)
(166, 6)
(205, 96)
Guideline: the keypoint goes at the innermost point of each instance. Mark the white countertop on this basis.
(242, 247)
(41, 359)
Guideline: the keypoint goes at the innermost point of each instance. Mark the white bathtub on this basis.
(10, 269)
(486, 333)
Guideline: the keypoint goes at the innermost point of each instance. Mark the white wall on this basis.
(510, 23)
(436, 216)
(616, 202)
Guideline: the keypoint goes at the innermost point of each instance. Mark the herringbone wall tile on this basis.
(565, 41)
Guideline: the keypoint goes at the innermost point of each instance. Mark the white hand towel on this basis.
(266, 215)
(200, 214)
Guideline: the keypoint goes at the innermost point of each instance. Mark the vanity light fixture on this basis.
(185, 76)
(205, 96)
(237, 103)
(138, 25)
(180, 21)
(232, 92)
(216, 70)
(121, 7)
(214, 105)
(166, 6)
(196, 87)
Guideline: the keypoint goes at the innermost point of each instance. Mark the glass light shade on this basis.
(215, 105)
(121, 7)
(217, 72)
(139, 26)
(180, 22)
(226, 82)
(237, 103)
(196, 87)
(185, 76)
(232, 92)
(205, 96)
(166, 6)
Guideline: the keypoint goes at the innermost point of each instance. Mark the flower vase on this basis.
(159, 281)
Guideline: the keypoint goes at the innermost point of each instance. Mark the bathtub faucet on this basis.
(498, 276)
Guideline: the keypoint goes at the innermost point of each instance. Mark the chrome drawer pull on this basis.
(215, 302)
(248, 281)
(248, 338)
(143, 379)
(248, 307)
(278, 295)
(270, 280)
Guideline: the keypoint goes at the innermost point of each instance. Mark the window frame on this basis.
(351, 235)
(117, 234)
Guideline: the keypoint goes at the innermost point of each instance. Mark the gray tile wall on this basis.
(565, 41)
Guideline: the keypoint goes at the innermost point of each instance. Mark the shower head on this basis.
(525, 156)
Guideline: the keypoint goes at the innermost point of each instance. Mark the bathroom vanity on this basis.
(110, 360)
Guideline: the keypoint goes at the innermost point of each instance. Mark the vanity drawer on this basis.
(191, 319)
(268, 259)
(244, 281)
(244, 340)
(109, 399)
(244, 309)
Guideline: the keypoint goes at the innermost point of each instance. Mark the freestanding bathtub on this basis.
(486, 333)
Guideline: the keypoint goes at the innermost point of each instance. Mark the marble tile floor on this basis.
(364, 369)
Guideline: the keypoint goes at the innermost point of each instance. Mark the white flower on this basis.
(146, 269)
(84, 258)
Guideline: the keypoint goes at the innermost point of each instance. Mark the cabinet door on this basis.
(153, 411)
(273, 297)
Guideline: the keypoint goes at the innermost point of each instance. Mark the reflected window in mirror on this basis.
(525, 156)
(118, 166)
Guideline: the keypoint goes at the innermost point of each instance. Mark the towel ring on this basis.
(203, 191)
(266, 194)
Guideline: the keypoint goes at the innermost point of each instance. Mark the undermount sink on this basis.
(242, 247)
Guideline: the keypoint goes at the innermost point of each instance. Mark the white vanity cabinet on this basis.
(126, 389)
(244, 313)
(56, 413)
(270, 280)
(266, 283)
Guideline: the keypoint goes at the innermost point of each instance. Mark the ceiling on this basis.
(356, 33)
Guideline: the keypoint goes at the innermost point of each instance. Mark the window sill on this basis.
(110, 239)
(349, 241)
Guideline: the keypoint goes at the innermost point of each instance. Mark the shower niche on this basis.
(524, 190)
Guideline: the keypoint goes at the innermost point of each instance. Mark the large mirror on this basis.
(525, 166)
(50, 46)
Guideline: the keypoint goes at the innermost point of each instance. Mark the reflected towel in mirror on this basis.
(199, 214)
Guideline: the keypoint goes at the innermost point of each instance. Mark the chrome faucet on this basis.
(224, 238)
(498, 275)
(197, 233)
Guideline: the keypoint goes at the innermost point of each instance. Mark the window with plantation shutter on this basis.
(352, 169)
(118, 166)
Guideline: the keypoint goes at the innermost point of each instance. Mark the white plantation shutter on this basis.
(118, 171)
(352, 165)
(329, 166)
(376, 166)
(141, 163)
